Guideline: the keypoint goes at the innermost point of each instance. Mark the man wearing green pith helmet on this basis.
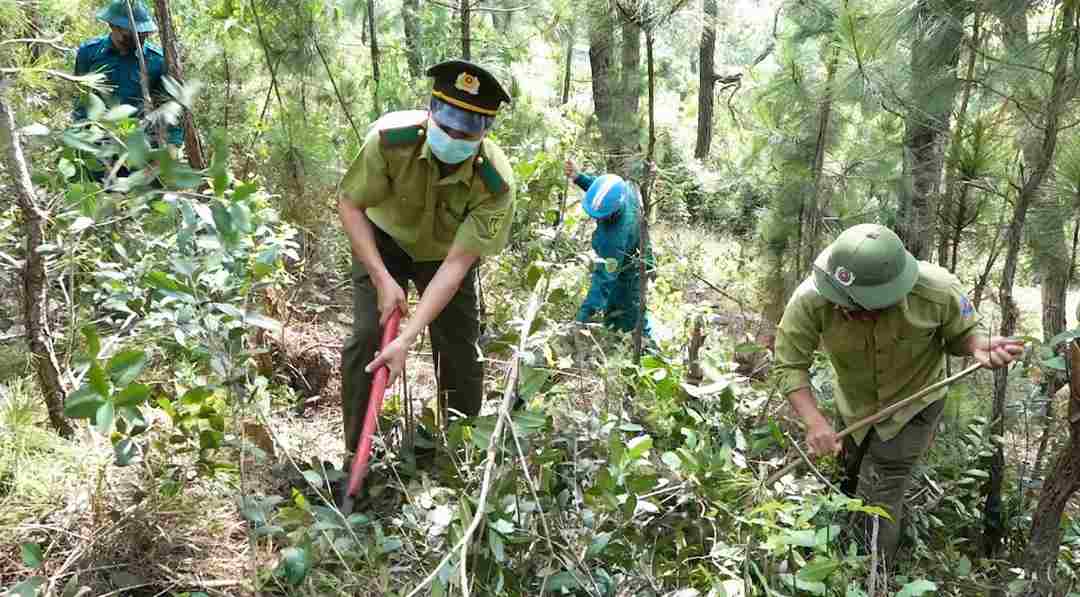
(887, 322)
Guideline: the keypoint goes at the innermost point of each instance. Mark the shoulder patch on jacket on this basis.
(491, 177)
(404, 135)
(935, 283)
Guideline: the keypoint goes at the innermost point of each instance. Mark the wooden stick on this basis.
(881, 415)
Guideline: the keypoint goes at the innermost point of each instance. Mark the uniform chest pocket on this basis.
(913, 344)
(844, 342)
(449, 215)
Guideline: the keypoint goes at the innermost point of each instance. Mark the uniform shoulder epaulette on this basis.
(154, 48)
(489, 172)
(402, 135)
(935, 283)
(398, 129)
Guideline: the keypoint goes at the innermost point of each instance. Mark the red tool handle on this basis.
(378, 389)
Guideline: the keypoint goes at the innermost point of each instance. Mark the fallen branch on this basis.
(509, 397)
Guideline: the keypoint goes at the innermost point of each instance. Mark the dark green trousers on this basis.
(884, 474)
(460, 373)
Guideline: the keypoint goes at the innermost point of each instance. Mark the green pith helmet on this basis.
(866, 267)
(116, 13)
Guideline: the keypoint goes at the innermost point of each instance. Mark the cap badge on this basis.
(468, 83)
(844, 276)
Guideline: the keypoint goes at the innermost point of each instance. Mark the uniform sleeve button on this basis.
(479, 159)
(420, 132)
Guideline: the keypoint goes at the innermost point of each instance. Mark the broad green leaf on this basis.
(819, 569)
(243, 191)
(120, 112)
(963, 567)
(81, 223)
(223, 221)
(93, 342)
(497, 546)
(294, 565)
(124, 451)
(241, 217)
(98, 381)
(563, 580)
(787, 581)
(95, 107)
(31, 555)
(803, 538)
(82, 403)
(503, 526)
(125, 366)
(598, 544)
(104, 417)
(916, 588)
(314, 478)
(133, 395)
(28, 587)
(67, 169)
(138, 149)
(638, 447)
(1056, 363)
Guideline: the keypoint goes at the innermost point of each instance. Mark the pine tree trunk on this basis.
(372, 29)
(627, 135)
(568, 65)
(646, 200)
(811, 214)
(604, 74)
(952, 209)
(1042, 160)
(465, 11)
(706, 80)
(935, 54)
(410, 17)
(1041, 554)
(35, 279)
(193, 146)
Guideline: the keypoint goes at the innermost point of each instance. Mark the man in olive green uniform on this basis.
(887, 322)
(426, 197)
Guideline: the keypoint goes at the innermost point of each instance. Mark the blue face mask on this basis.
(448, 149)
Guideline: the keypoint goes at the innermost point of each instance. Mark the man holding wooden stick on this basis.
(887, 322)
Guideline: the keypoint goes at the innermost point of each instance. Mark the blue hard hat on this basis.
(116, 13)
(606, 195)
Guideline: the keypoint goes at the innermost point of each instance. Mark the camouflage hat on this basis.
(116, 13)
(866, 267)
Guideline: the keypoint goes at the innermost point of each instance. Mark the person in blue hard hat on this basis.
(114, 55)
(615, 289)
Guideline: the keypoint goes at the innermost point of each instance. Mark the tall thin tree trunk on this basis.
(35, 279)
(604, 74)
(811, 214)
(934, 56)
(993, 523)
(951, 208)
(372, 28)
(646, 201)
(706, 79)
(629, 96)
(465, 11)
(1041, 554)
(568, 63)
(410, 17)
(193, 146)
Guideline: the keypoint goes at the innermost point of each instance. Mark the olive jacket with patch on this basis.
(883, 361)
(396, 180)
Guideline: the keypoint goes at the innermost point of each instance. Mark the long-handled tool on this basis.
(879, 416)
(359, 469)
